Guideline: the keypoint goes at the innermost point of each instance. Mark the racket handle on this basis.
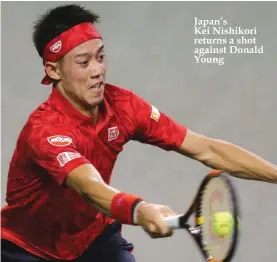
(173, 221)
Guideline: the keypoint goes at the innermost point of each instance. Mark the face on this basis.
(82, 73)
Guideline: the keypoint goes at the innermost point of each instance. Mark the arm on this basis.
(65, 164)
(223, 155)
(87, 181)
(162, 131)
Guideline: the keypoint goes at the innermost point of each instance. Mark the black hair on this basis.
(57, 20)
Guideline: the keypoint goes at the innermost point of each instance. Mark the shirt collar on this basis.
(76, 117)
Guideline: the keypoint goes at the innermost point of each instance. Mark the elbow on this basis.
(211, 156)
(207, 159)
(207, 152)
(219, 155)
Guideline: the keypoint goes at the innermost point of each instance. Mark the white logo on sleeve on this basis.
(113, 133)
(66, 157)
(155, 114)
(59, 140)
(55, 48)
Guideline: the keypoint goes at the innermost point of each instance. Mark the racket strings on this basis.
(215, 197)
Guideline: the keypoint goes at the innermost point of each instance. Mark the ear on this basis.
(52, 70)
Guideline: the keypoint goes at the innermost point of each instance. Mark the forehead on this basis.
(91, 46)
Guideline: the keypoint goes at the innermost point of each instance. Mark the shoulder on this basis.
(121, 98)
(45, 121)
(45, 114)
(115, 93)
(49, 113)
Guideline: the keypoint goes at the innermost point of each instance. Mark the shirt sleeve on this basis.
(54, 148)
(155, 127)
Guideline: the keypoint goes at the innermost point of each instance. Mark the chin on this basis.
(96, 101)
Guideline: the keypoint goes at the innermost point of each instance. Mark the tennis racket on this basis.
(215, 194)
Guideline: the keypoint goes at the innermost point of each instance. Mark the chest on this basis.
(101, 144)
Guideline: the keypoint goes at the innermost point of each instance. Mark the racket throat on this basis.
(193, 230)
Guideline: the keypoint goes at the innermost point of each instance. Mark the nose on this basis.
(97, 70)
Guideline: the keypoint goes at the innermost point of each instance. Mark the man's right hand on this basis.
(151, 218)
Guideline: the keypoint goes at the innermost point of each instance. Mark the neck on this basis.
(92, 112)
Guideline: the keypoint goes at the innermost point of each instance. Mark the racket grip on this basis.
(173, 221)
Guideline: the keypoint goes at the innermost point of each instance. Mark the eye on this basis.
(83, 63)
(101, 57)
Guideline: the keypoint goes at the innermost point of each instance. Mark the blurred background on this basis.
(150, 50)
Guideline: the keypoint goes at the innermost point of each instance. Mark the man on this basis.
(60, 205)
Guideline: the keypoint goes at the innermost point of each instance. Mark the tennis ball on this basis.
(223, 224)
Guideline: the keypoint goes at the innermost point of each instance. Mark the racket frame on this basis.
(181, 221)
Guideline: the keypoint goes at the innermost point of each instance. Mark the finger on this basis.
(152, 231)
(156, 235)
(151, 228)
(158, 228)
(169, 214)
(168, 211)
(170, 233)
(161, 226)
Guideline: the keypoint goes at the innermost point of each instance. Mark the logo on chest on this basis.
(59, 140)
(113, 133)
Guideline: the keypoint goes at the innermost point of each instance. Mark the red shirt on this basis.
(47, 218)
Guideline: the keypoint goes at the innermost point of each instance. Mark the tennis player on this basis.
(60, 206)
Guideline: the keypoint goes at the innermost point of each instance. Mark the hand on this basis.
(151, 218)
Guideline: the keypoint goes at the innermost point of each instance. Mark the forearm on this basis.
(87, 181)
(242, 163)
(92, 188)
(102, 199)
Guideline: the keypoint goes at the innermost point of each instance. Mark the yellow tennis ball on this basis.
(223, 224)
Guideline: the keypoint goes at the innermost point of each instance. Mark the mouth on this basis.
(97, 86)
